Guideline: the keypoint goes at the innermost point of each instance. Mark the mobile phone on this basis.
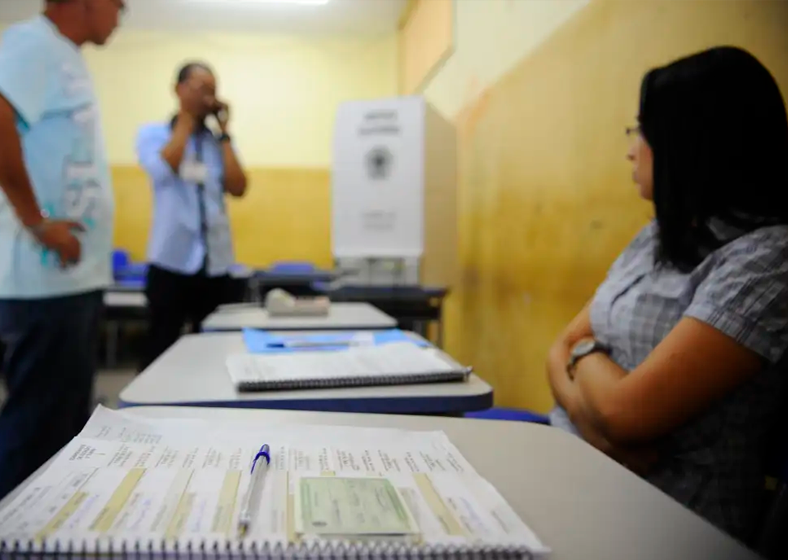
(220, 113)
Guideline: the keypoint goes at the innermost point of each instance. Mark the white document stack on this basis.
(133, 488)
(399, 363)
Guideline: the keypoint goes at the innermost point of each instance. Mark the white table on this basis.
(192, 372)
(114, 299)
(341, 316)
(580, 503)
(121, 305)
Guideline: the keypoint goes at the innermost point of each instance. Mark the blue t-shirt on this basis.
(44, 77)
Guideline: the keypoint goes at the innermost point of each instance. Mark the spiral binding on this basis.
(316, 383)
(232, 550)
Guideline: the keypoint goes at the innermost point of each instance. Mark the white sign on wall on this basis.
(377, 179)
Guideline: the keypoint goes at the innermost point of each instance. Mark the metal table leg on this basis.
(113, 331)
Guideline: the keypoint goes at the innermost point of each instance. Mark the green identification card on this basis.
(351, 506)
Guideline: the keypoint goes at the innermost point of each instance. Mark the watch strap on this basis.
(593, 348)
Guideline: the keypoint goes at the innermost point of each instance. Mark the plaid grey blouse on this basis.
(714, 463)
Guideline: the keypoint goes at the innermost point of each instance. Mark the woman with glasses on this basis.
(676, 367)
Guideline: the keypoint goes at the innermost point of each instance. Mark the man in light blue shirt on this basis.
(191, 170)
(56, 215)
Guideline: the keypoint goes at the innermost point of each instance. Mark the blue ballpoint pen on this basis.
(251, 502)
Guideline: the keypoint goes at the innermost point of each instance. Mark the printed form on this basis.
(144, 481)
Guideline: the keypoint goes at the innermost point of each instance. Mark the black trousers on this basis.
(51, 346)
(177, 300)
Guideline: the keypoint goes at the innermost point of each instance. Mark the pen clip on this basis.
(264, 452)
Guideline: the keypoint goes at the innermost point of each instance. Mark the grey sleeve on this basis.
(746, 296)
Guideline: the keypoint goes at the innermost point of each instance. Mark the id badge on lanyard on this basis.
(194, 171)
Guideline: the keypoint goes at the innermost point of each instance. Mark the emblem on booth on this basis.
(379, 161)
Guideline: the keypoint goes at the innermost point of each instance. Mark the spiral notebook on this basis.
(136, 488)
(399, 363)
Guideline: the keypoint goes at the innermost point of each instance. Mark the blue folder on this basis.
(265, 342)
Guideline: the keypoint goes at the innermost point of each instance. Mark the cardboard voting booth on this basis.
(394, 185)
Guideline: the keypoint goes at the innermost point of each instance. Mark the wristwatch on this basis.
(583, 349)
(224, 137)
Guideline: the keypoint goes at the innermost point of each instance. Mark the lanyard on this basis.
(201, 201)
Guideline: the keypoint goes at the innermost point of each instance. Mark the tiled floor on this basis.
(108, 385)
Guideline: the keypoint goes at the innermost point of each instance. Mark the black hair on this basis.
(186, 71)
(716, 123)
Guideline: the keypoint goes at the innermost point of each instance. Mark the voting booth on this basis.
(394, 201)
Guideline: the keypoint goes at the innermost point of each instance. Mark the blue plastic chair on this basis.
(509, 414)
(134, 272)
(321, 287)
(120, 260)
(292, 267)
(240, 270)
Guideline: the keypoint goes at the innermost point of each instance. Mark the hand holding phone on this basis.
(221, 111)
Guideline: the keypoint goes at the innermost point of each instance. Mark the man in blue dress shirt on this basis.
(191, 170)
(56, 214)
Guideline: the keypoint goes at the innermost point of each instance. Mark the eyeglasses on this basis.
(632, 131)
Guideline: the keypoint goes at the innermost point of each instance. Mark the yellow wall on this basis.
(283, 90)
(491, 36)
(286, 215)
(426, 41)
(545, 192)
